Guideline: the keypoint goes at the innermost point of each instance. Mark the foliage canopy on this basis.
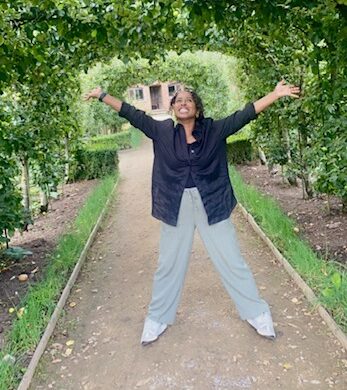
(45, 44)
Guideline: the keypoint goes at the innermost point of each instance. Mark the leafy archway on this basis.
(207, 73)
(44, 45)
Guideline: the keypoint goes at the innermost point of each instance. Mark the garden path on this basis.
(208, 347)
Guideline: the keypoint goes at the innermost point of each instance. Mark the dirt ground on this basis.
(324, 229)
(96, 345)
(40, 239)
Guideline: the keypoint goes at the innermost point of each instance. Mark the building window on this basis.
(136, 93)
(172, 89)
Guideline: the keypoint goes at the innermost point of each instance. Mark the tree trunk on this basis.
(285, 134)
(262, 156)
(7, 239)
(344, 204)
(44, 201)
(67, 158)
(304, 170)
(307, 187)
(25, 183)
(286, 140)
(26, 190)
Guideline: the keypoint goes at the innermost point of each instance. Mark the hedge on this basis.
(98, 157)
(122, 140)
(239, 151)
(94, 163)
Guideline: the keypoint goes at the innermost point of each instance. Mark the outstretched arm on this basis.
(281, 90)
(238, 119)
(137, 118)
(111, 101)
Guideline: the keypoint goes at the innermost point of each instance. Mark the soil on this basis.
(96, 345)
(324, 229)
(40, 239)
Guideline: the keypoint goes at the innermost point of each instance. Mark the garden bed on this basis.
(40, 239)
(324, 229)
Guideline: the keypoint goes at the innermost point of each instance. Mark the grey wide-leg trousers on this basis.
(221, 243)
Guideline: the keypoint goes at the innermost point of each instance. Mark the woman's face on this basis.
(184, 107)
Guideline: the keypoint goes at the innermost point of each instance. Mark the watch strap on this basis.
(101, 97)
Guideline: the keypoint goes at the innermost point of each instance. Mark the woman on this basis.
(191, 189)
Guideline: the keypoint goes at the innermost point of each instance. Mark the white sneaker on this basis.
(263, 325)
(151, 331)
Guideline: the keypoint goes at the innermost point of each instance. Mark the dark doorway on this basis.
(156, 99)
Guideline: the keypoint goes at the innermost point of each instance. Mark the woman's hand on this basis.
(282, 89)
(93, 94)
(111, 101)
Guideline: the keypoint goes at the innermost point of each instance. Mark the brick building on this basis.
(155, 98)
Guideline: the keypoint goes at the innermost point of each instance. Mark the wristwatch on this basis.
(101, 97)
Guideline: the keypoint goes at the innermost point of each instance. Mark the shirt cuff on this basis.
(251, 110)
(124, 109)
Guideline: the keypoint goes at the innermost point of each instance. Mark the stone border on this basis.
(332, 325)
(29, 373)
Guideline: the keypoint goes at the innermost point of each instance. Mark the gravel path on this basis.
(97, 343)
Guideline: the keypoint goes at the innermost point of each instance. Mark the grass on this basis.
(327, 279)
(42, 297)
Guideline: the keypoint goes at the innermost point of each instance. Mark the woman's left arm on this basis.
(282, 89)
(238, 119)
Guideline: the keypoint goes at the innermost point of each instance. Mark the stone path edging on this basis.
(332, 325)
(29, 373)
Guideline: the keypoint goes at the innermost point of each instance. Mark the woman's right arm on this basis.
(137, 118)
(111, 101)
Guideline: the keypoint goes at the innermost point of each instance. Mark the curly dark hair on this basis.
(197, 100)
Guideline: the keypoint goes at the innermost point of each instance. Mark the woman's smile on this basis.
(184, 106)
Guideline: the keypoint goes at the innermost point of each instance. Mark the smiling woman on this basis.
(191, 98)
(191, 189)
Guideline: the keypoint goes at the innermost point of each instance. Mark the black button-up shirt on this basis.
(172, 163)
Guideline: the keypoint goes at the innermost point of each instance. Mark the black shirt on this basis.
(172, 163)
(190, 182)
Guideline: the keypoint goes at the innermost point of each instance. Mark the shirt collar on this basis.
(197, 132)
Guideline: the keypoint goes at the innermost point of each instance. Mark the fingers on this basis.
(87, 96)
(284, 89)
(294, 91)
(94, 93)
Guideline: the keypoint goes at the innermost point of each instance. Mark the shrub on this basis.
(239, 151)
(121, 140)
(98, 157)
(92, 163)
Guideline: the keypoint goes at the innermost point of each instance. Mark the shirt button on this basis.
(192, 151)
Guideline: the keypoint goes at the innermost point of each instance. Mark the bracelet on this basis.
(101, 97)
